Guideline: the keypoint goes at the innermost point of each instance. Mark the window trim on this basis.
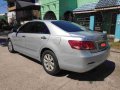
(45, 25)
(33, 26)
(23, 27)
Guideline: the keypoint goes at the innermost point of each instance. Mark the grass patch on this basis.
(115, 45)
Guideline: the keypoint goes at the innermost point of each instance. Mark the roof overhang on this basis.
(23, 5)
(30, 7)
(101, 5)
(108, 8)
(80, 12)
(96, 10)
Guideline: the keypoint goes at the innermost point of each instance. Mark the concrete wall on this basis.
(11, 16)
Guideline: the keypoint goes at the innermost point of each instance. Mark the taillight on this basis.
(82, 45)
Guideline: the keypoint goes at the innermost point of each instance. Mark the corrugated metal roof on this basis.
(21, 4)
(99, 5)
(86, 7)
(107, 3)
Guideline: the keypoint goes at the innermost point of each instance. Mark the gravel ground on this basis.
(18, 72)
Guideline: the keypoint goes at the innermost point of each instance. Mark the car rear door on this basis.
(20, 37)
(36, 38)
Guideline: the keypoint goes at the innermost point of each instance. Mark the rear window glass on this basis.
(68, 26)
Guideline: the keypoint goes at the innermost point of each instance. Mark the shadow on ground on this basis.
(97, 74)
(3, 38)
(34, 60)
(3, 42)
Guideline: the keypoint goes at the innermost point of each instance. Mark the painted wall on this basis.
(49, 5)
(59, 7)
(67, 5)
(11, 15)
(117, 33)
(82, 2)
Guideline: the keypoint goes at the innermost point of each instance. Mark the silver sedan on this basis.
(60, 45)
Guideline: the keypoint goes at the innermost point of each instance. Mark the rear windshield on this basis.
(69, 26)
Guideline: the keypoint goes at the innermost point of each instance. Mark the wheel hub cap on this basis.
(49, 62)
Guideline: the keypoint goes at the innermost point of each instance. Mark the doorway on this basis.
(98, 22)
(113, 23)
(68, 16)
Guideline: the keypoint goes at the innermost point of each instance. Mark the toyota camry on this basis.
(60, 45)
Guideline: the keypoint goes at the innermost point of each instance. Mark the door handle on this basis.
(43, 37)
(24, 36)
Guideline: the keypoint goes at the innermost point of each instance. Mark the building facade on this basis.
(100, 15)
(23, 10)
(11, 14)
(58, 9)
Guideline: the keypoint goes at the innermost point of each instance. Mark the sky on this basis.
(3, 6)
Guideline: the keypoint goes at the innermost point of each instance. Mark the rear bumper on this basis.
(83, 63)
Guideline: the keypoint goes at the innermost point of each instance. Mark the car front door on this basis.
(38, 36)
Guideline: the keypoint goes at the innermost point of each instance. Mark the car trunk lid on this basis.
(99, 39)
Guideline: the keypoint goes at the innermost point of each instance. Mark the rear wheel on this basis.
(10, 46)
(50, 62)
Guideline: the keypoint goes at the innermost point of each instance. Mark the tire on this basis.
(10, 46)
(50, 63)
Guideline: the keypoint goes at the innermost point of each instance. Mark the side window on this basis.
(26, 28)
(40, 27)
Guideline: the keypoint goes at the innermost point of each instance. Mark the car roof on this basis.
(53, 31)
(44, 20)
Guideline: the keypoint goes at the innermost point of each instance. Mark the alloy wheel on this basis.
(49, 62)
